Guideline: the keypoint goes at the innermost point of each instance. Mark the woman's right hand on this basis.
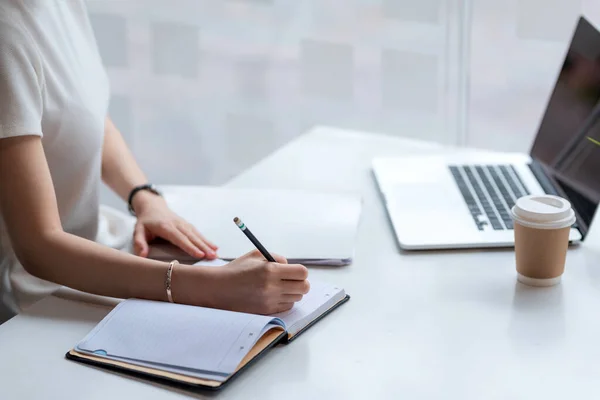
(248, 284)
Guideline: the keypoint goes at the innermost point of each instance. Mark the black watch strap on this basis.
(147, 186)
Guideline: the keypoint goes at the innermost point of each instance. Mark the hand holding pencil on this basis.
(260, 282)
(253, 239)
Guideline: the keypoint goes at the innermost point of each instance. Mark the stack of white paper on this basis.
(305, 227)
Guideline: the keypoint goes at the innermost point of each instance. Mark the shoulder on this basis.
(17, 48)
(22, 81)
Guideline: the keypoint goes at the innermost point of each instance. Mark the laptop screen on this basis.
(572, 117)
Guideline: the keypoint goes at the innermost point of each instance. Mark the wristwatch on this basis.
(147, 186)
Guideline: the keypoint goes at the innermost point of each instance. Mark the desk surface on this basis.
(451, 325)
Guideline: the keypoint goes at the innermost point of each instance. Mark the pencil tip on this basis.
(236, 219)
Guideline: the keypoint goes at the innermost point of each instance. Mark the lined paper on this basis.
(177, 336)
(319, 299)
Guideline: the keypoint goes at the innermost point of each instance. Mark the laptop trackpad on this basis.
(430, 204)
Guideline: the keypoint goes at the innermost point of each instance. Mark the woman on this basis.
(56, 146)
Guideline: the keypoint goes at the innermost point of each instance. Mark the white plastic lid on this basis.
(543, 212)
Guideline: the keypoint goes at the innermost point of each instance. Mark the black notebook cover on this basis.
(176, 383)
(320, 317)
(281, 339)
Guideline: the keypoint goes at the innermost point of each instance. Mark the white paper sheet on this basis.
(174, 335)
(312, 227)
(320, 298)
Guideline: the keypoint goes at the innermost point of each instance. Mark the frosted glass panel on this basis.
(409, 80)
(112, 43)
(327, 69)
(218, 85)
(175, 49)
(517, 48)
(409, 10)
(546, 19)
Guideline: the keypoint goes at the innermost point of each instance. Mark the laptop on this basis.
(462, 199)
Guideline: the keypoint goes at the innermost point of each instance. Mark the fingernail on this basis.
(211, 253)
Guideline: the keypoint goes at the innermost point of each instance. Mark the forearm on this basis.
(29, 207)
(84, 265)
(120, 171)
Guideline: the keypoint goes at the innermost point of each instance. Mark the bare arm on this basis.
(28, 205)
(121, 173)
(29, 208)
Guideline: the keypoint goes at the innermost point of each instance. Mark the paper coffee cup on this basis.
(541, 226)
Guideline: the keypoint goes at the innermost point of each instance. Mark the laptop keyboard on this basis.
(490, 192)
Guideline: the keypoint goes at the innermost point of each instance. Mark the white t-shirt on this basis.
(53, 85)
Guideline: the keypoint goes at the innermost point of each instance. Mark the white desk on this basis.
(452, 325)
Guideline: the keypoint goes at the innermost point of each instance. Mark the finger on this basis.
(294, 287)
(294, 272)
(180, 240)
(210, 244)
(257, 254)
(140, 243)
(281, 307)
(253, 254)
(291, 298)
(196, 239)
(280, 259)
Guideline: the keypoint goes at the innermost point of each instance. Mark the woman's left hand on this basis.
(155, 219)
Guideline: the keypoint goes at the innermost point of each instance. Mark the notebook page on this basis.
(319, 299)
(219, 377)
(180, 336)
(217, 262)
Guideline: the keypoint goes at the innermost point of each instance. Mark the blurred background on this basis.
(202, 89)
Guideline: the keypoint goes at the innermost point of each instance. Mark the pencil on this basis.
(594, 141)
(253, 239)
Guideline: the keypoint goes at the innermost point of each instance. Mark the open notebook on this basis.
(196, 347)
(304, 226)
